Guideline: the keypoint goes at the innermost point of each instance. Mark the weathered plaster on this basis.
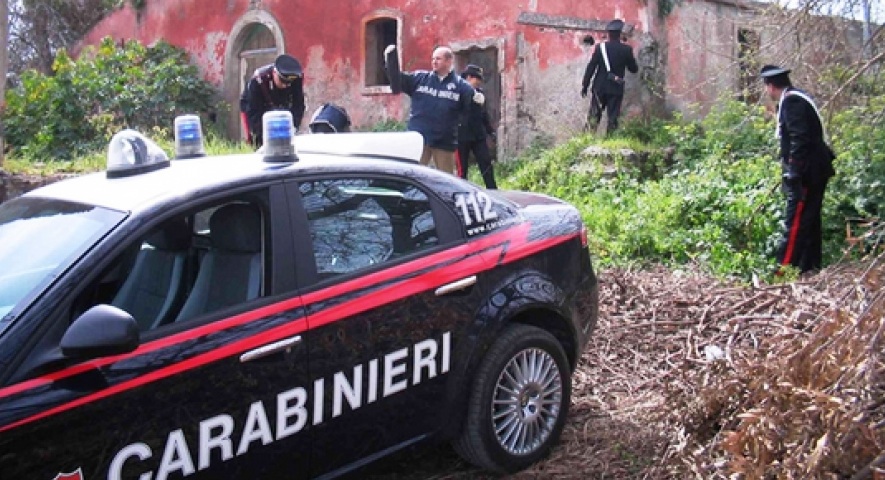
(539, 87)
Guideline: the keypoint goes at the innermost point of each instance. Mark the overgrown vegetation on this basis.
(76, 110)
(672, 192)
(704, 192)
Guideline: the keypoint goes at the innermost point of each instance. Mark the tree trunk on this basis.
(867, 30)
(42, 17)
(4, 66)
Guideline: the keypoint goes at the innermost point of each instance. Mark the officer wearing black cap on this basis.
(606, 71)
(278, 86)
(807, 165)
(475, 129)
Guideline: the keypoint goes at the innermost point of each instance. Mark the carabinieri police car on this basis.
(292, 313)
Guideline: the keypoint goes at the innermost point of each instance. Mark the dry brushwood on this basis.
(692, 377)
(797, 397)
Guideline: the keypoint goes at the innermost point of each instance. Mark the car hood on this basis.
(526, 199)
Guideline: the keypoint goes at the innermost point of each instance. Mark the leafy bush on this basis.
(732, 130)
(108, 88)
(388, 126)
(719, 205)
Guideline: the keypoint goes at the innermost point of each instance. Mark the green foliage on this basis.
(388, 126)
(860, 163)
(666, 7)
(856, 195)
(651, 132)
(732, 130)
(111, 87)
(214, 144)
(718, 204)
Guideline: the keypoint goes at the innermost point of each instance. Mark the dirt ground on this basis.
(658, 328)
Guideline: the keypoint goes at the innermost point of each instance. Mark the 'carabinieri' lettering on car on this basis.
(386, 377)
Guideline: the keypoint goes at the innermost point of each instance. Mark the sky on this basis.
(850, 8)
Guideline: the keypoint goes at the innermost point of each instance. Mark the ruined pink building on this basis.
(534, 52)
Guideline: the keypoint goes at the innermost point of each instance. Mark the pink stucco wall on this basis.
(540, 67)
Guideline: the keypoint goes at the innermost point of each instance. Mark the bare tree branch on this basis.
(848, 83)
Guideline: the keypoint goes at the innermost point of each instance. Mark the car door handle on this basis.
(271, 348)
(455, 286)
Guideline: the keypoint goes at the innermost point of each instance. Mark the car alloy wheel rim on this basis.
(527, 401)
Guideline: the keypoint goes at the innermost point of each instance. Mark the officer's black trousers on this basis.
(612, 106)
(483, 157)
(801, 244)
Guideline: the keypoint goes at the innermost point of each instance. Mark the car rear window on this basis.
(360, 223)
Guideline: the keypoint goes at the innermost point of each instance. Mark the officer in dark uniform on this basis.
(807, 165)
(278, 86)
(474, 131)
(606, 70)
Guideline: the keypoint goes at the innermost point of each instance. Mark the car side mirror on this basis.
(101, 331)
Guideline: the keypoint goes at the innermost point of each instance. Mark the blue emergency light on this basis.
(279, 133)
(188, 137)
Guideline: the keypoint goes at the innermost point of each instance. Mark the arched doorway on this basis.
(255, 41)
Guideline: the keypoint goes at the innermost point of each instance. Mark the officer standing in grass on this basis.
(439, 100)
(278, 86)
(474, 132)
(807, 165)
(606, 71)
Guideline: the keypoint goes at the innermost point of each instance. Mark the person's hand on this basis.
(584, 92)
(389, 49)
(479, 98)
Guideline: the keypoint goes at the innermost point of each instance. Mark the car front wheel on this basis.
(518, 403)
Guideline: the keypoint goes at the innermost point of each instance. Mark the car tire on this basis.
(518, 402)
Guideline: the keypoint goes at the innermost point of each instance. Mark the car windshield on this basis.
(39, 239)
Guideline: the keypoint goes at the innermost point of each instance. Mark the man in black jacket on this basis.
(474, 131)
(807, 165)
(606, 70)
(278, 86)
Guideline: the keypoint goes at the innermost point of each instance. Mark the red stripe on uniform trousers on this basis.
(245, 121)
(794, 230)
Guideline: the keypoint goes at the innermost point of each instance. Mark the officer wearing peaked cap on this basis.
(278, 86)
(608, 65)
(474, 132)
(806, 164)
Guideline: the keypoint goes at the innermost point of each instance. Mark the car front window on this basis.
(39, 238)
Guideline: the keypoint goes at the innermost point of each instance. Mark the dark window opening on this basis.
(748, 63)
(380, 33)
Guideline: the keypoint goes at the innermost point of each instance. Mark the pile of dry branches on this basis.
(793, 383)
(691, 377)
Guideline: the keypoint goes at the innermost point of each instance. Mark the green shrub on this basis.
(388, 126)
(856, 195)
(109, 88)
(730, 131)
(719, 205)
